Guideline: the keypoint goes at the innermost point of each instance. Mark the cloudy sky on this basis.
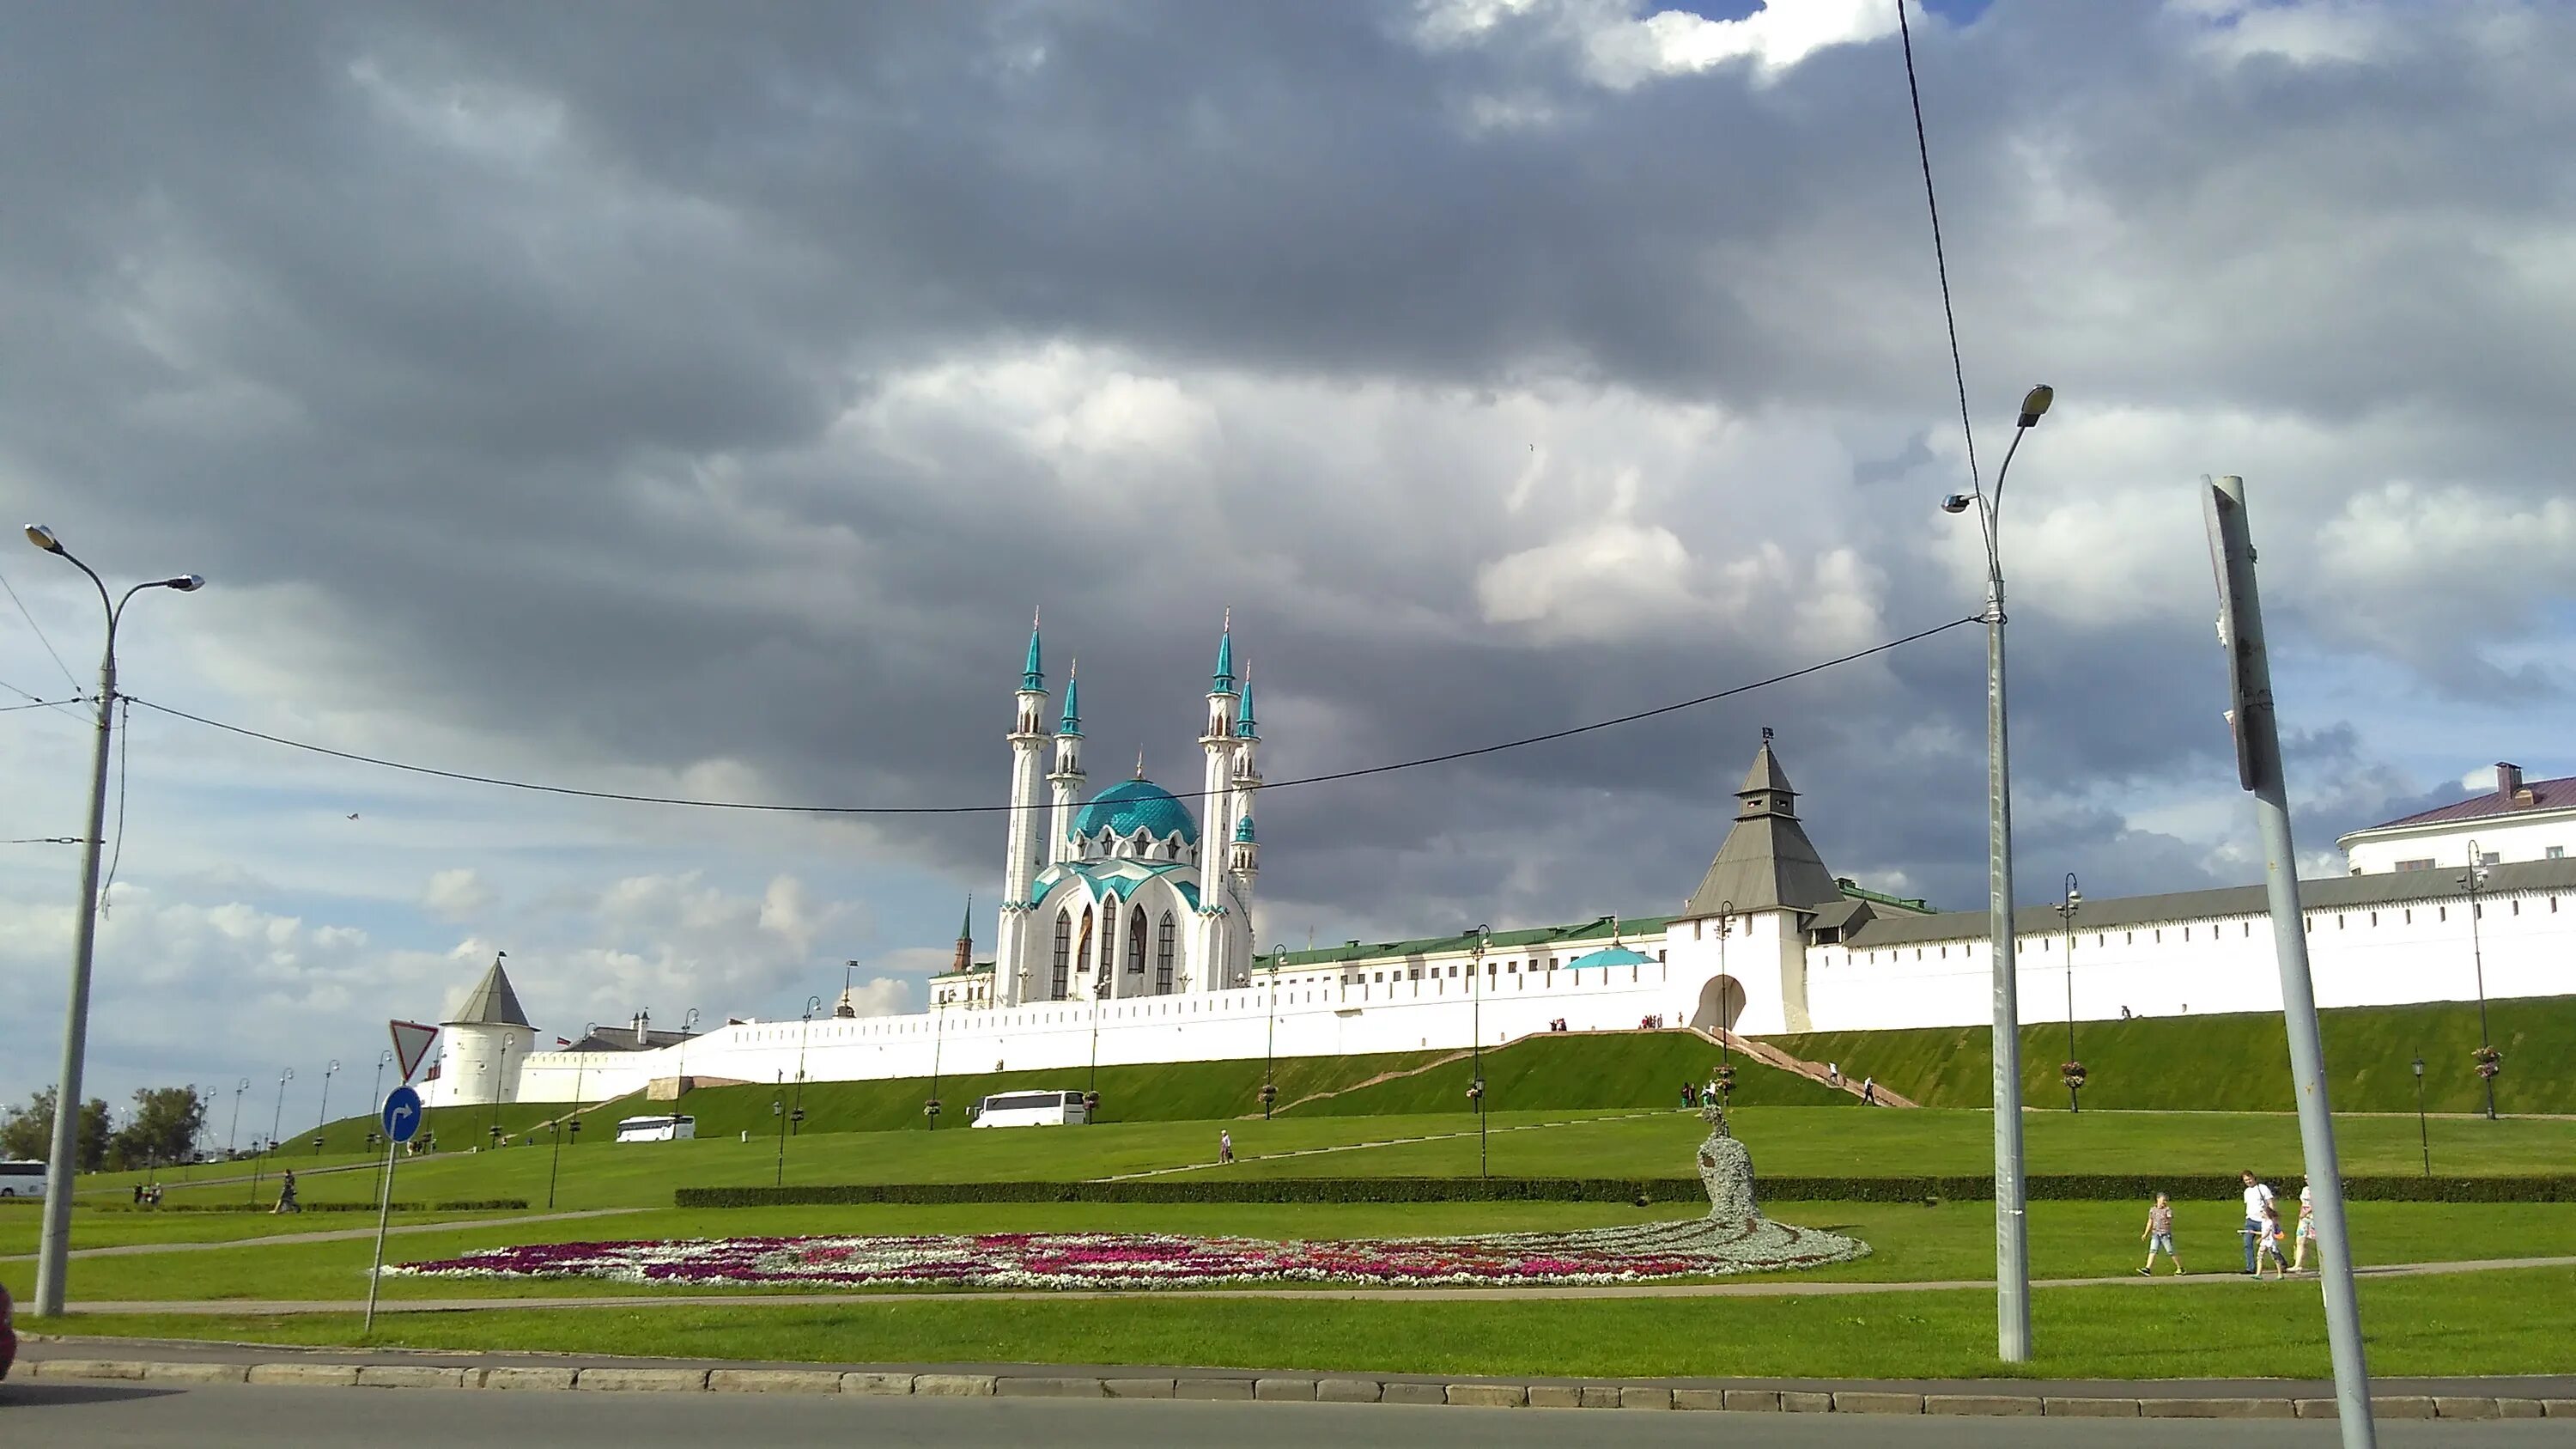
(696, 400)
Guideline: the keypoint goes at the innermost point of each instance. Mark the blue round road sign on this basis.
(402, 1114)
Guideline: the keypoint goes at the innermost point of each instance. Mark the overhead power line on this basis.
(501, 782)
(1940, 259)
(39, 632)
(32, 702)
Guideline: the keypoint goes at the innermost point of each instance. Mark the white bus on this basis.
(22, 1179)
(657, 1129)
(1029, 1109)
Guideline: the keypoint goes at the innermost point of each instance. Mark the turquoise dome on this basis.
(1130, 805)
(1613, 956)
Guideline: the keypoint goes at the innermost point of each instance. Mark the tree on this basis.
(28, 1135)
(164, 1127)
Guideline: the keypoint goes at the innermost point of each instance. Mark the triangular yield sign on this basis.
(411, 1043)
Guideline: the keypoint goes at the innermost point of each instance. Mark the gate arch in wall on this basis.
(1721, 1001)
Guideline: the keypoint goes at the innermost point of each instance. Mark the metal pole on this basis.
(2066, 913)
(580, 1061)
(276, 1120)
(2012, 1226)
(384, 1211)
(1477, 1049)
(778, 1109)
(2478, 958)
(2259, 764)
(232, 1134)
(325, 1122)
(53, 1255)
(1270, 1034)
(2423, 1133)
(938, 1032)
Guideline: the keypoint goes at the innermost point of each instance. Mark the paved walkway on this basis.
(1761, 1288)
(333, 1235)
(1391, 1142)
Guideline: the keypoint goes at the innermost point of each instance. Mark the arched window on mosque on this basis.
(1063, 954)
(1136, 942)
(1163, 956)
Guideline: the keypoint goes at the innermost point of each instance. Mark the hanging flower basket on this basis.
(1475, 1091)
(2073, 1073)
(930, 1108)
(1090, 1103)
(2490, 1062)
(1269, 1094)
(1725, 1080)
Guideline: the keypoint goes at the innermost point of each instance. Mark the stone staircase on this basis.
(1771, 1056)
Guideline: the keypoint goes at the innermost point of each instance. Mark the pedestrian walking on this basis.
(2270, 1250)
(1869, 1091)
(286, 1202)
(2159, 1236)
(1689, 1096)
(2258, 1199)
(2307, 1227)
(1225, 1145)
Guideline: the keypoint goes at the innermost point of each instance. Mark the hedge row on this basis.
(465, 1205)
(2091, 1187)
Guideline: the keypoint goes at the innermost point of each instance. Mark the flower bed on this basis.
(1686, 1248)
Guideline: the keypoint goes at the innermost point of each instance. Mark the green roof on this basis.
(1599, 928)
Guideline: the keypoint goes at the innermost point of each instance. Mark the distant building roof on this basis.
(2332, 893)
(2512, 795)
(491, 1002)
(622, 1039)
(1496, 942)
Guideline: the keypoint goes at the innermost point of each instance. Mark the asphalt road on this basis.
(133, 1416)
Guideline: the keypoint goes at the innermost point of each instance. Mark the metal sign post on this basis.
(2258, 768)
(401, 1118)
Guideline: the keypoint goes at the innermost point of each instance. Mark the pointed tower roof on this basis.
(965, 960)
(1072, 721)
(1033, 678)
(1225, 657)
(1243, 830)
(1767, 861)
(491, 1002)
(1243, 721)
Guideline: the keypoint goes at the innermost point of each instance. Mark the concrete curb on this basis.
(1279, 1388)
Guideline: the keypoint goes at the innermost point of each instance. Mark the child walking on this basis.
(2307, 1228)
(2159, 1236)
(2267, 1248)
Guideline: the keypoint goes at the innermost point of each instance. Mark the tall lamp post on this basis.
(1725, 1061)
(796, 1112)
(324, 1121)
(778, 1109)
(938, 1035)
(275, 1120)
(680, 1071)
(2423, 1133)
(554, 1163)
(1270, 1032)
(376, 1093)
(232, 1133)
(53, 1253)
(500, 1084)
(2490, 1061)
(1476, 1048)
(2012, 1225)
(2074, 1068)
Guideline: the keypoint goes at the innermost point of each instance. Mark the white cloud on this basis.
(457, 895)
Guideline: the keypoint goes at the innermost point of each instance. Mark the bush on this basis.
(2095, 1187)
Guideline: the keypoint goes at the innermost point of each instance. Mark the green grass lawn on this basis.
(94, 1229)
(2521, 1322)
(1910, 1242)
(2236, 1062)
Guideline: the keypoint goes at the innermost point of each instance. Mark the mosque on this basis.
(1125, 935)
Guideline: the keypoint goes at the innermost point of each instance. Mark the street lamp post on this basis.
(2423, 1133)
(232, 1133)
(778, 1109)
(1725, 1061)
(53, 1253)
(2012, 1225)
(1476, 1048)
(938, 1035)
(276, 1120)
(1270, 1032)
(376, 1093)
(324, 1122)
(2490, 1062)
(2074, 1068)
(500, 1084)
(796, 1111)
(680, 1072)
(554, 1164)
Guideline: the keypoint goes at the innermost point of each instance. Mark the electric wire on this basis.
(1447, 757)
(1940, 259)
(32, 702)
(39, 633)
(124, 741)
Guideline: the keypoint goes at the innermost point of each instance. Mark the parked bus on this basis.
(22, 1179)
(657, 1129)
(1029, 1109)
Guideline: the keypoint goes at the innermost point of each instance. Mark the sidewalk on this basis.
(2530, 1397)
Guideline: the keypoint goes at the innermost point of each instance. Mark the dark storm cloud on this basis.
(526, 338)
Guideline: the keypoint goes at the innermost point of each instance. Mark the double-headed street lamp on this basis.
(2490, 1061)
(2012, 1226)
(53, 1253)
(2074, 1068)
(376, 1093)
(324, 1121)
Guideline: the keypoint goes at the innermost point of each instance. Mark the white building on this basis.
(1124, 938)
(2518, 820)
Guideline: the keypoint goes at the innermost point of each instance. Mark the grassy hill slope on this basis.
(2238, 1062)
(1606, 1070)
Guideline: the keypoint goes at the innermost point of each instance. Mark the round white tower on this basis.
(1020, 862)
(483, 1045)
(1210, 968)
(1066, 779)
